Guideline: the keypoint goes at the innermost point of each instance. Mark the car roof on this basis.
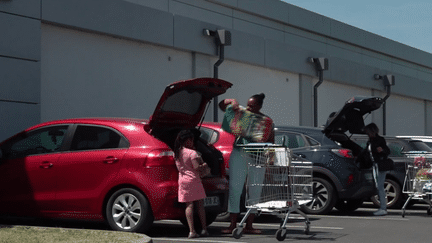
(108, 121)
(422, 138)
(413, 144)
(313, 132)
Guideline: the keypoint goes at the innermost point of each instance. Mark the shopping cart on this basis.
(275, 184)
(418, 181)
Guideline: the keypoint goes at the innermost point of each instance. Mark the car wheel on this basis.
(348, 205)
(323, 197)
(393, 194)
(128, 210)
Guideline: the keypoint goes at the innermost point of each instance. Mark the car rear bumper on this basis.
(363, 188)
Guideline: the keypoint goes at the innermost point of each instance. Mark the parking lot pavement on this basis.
(356, 227)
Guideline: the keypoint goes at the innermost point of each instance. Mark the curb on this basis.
(35, 231)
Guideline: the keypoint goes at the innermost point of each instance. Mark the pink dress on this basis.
(190, 185)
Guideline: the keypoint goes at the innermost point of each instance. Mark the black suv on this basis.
(402, 151)
(338, 181)
(339, 178)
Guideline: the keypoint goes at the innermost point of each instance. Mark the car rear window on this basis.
(183, 102)
(420, 146)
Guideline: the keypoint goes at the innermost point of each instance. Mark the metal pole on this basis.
(321, 79)
(216, 75)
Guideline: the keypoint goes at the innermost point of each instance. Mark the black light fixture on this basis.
(388, 80)
(222, 38)
(321, 64)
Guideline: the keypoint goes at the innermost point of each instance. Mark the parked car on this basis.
(338, 180)
(426, 139)
(120, 170)
(402, 151)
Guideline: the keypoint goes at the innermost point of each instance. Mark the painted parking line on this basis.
(196, 240)
(392, 218)
(298, 226)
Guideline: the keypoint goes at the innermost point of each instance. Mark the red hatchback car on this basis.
(120, 170)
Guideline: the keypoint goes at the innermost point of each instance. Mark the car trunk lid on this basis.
(350, 117)
(183, 103)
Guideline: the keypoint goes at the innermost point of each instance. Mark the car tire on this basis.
(323, 197)
(129, 210)
(347, 206)
(393, 194)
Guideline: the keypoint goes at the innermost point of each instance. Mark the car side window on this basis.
(94, 137)
(40, 141)
(290, 140)
(361, 143)
(395, 149)
(209, 135)
(312, 142)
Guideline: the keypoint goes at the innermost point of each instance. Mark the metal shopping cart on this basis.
(275, 184)
(418, 181)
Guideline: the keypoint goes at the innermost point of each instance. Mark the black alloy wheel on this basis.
(323, 197)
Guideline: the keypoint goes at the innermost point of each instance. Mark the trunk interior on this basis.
(209, 154)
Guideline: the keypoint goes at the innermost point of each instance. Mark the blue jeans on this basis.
(381, 191)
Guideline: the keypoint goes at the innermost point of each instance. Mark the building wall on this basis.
(80, 58)
(19, 65)
(86, 74)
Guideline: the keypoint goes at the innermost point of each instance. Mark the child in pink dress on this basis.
(191, 189)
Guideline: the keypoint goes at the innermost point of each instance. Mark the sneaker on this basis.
(204, 233)
(380, 212)
(193, 235)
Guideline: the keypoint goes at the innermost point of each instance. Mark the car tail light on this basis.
(350, 179)
(346, 153)
(160, 157)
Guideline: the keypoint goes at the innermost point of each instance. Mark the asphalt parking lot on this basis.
(358, 226)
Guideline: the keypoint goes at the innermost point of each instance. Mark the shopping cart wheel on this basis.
(237, 233)
(281, 234)
(307, 228)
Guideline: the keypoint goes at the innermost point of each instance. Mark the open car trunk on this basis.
(350, 119)
(182, 106)
(209, 153)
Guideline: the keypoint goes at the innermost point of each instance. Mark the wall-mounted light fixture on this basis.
(321, 64)
(388, 80)
(222, 38)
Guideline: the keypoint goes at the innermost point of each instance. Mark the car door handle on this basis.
(46, 165)
(110, 160)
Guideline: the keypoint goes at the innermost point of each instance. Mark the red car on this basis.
(120, 170)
